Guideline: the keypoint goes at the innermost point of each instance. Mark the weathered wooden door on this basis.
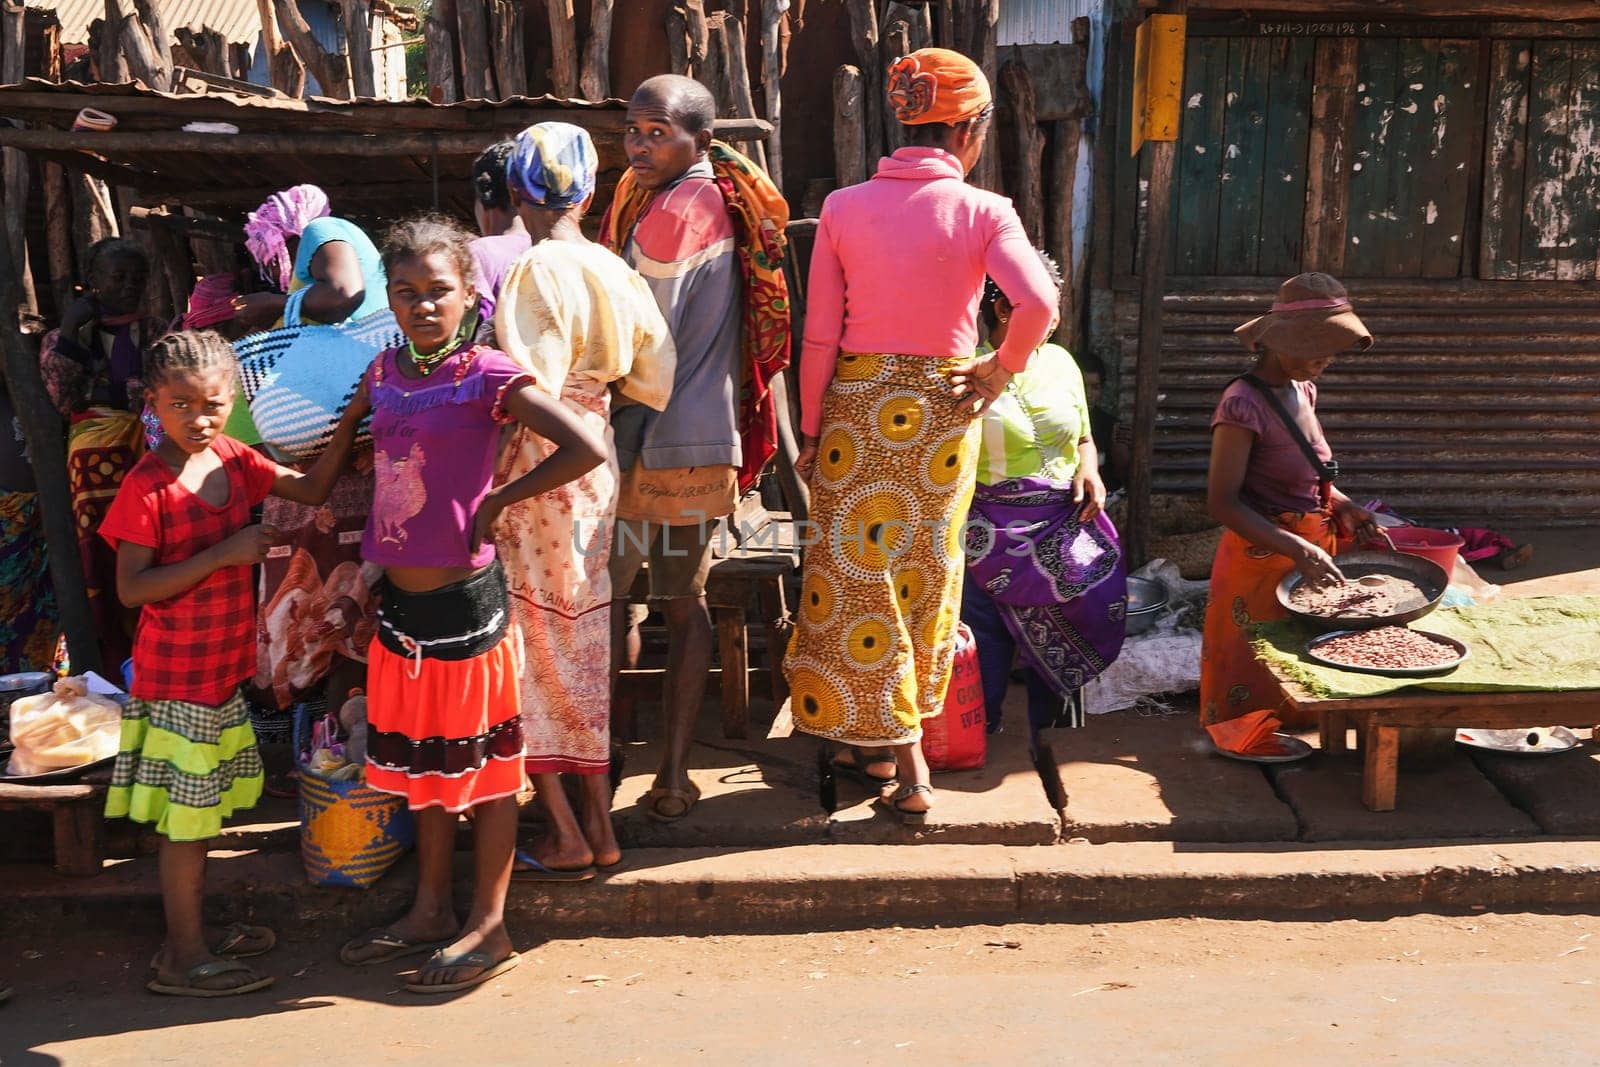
(1351, 155)
(1541, 198)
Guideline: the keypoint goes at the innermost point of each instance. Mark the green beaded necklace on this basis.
(427, 364)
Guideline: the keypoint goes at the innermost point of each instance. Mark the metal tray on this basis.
(1391, 672)
(1426, 573)
(1293, 749)
(1554, 740)
(51, 776)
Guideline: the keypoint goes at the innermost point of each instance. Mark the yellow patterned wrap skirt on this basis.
(880, 593)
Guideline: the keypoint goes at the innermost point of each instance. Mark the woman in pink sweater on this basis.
(889, 396)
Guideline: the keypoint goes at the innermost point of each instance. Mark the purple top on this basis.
(434, 442)
(492, 258)
(1278, 478)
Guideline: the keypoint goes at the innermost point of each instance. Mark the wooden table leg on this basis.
(1382, 766)
(734, 654)
(1334, 725)
(80, 836)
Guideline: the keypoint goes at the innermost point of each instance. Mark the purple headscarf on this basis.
(283, 216)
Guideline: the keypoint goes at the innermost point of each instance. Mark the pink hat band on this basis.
(1312, 305)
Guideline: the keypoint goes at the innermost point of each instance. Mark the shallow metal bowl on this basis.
(1426, 573)
(1147, 599)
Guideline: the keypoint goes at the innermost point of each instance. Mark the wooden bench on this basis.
(1378, 721)
(736, 585)
(78, 811)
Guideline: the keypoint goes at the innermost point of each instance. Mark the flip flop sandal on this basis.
(205, 972)
(531, 870)
(686, 797)
(857, 767)
(488, 968)
(241, 941)
(893, 803)
(394, 947)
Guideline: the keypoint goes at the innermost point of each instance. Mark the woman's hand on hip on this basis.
(483, 522)
(805, 461)
(977, 383)
(1089, 493)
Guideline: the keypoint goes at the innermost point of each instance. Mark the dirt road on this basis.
(1421, 990)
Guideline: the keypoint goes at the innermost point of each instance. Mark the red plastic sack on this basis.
(958, 739)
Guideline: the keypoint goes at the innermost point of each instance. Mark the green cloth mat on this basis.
(1538, 644)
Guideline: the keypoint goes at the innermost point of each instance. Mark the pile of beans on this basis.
(1353, 601)
(1389, 647)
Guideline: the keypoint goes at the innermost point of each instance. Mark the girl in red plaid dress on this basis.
(180, 526)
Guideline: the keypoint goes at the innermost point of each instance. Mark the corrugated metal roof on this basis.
(234, 19)
(1477, 401)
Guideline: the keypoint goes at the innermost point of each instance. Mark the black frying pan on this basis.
(1426, 573)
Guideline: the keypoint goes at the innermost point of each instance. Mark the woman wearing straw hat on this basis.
(1281, 509)
(888, 395)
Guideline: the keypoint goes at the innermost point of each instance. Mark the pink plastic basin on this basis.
(1438, 545)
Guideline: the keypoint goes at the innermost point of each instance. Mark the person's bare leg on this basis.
(183, 894)
(564, 846)
(432, 916)
(688, 662)
(494, 840)
(596, 818)
(913, 770)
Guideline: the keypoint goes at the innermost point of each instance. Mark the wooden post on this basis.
(206, 50)
(113, 68)
(563, 48)
(712, 72)
(772, 14)
(849, 129)
(678, 41)
(441, 62)
(864, 34)
(1028, 147)
(358, 46)
(1065, 136)
(736, 64)
(694, 16)
(331, 71)
(13, 20)
(1147, 376)
(41, 425)
(283, 66)
(477, 59)
(595, 81)
(92, 218)
(155, 29)
(896, 43)
(987, 173)
(58, 232)
(510, 59)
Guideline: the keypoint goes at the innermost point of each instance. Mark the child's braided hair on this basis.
(190, 351)
(425, 235)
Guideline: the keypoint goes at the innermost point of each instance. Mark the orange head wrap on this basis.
(937, 85)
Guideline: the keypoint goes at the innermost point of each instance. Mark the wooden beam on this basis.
(58, 232)
(206, 50)
(678, 41)
(506, 40)
(331, 71)
(563, 48)
(595, 80)
(1333, 106)
(441, 51)
(113, 67)
(154, 25)
(41, 425)
(1027, 149)
(1066, 136)
(694, 15)
(358, 47)
(737, 66)
(14, 165)
(772, 21)
(864, 35)
(190, 227)
(849, 128)
(1153, 246)
(477, 55)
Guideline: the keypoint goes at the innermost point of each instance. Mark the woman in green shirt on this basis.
(1044, 568)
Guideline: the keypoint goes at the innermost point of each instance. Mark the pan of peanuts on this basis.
(1389, 650)
(1380, 589)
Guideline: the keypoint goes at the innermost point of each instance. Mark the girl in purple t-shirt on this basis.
(443, 711)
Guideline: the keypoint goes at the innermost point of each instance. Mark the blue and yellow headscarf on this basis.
(553, 165)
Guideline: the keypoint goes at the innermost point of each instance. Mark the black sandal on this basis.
(857, 767)
(894, 802)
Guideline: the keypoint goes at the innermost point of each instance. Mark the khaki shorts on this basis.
(680, 558)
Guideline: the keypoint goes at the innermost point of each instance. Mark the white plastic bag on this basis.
(69, 727)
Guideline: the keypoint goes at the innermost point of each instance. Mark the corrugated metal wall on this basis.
(1477, 403)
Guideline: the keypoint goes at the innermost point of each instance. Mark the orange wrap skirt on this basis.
(1244, 584)
(445, 732)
